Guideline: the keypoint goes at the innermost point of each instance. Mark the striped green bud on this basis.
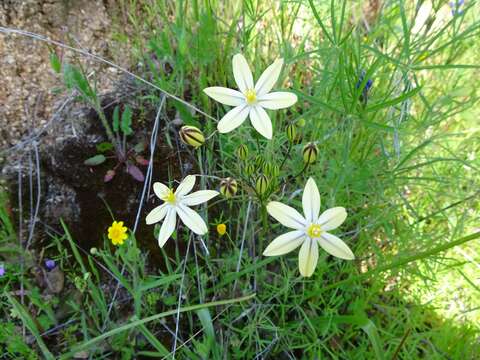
(271, 170)
(250, 169)
(259, 161)
(310, 153)
(242, 152)
(275, 171)
(261, 184)
(192, 136)
(228, 187)
(291, 133)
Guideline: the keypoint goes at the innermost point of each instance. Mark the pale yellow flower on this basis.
(310, 230)
(178, 202)
(251, 100)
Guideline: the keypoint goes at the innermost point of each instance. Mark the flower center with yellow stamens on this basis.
(170, 197)
(314, 231)
(251, 96)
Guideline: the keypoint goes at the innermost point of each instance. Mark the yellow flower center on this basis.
(314, 231)
(170, 197)
(251, 96)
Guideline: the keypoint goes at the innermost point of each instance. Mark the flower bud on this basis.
(271, 170)
(301, 122)
(192, 136)
(242, 152)
(291, 133)
(221, 229)
(259, 160)
(249, 169)
(310, 153)
(262, 184)
(228, 187)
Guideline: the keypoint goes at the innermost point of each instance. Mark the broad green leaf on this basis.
(95, 160)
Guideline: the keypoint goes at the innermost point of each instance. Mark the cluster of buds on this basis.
(191, 135)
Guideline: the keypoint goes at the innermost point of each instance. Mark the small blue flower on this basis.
(368, 85)
(2, 270)
(49, 264)
(456, 7)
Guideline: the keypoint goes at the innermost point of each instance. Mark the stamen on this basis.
(314, 231)
(170, 197)
(251, 96)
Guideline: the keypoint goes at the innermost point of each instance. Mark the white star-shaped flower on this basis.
(310, 231)
(178, 202)
(251, 100)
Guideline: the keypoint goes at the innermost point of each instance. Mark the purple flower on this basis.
(49, 264)
(2, 270)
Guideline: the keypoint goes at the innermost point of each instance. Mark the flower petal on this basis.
(311, 201)
(157, 214)
(335, 246)
(225, 95)
(332, 218)
(161, 190)
(185, 186)
(241, 73)
(269, 77)
(168, 227)
(285, 243)
(233, 119)
(308, 257)
(277, 100)
(199, 197)
(286, 215)
(261, 121)
(192, 220)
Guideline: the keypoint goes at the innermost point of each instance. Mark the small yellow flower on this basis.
(221, 229)
(117, 233)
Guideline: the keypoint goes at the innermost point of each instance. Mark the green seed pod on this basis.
(192, 136)
(249, 169)
(228, 187)
(262, 184)
(291, 133)
(310, 153)
(301, 122)
(275, 171)
(268, 168)
(259, 160)
(242, 152)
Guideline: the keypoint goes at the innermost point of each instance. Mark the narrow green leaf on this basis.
(116, 119)
(55, 62)
(126, 121)
(90, 343)
(30, 324)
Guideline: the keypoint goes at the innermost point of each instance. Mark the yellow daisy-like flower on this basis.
(117, 233)
(221, 229)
